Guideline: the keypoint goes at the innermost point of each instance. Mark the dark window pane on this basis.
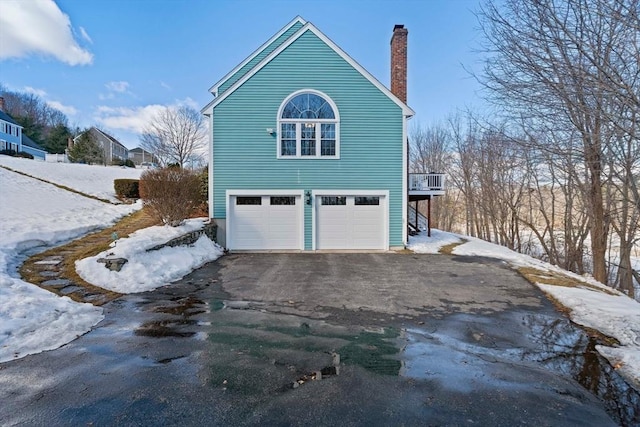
(308, 106)
(334, 200)
(367, 200)
(326, 112)
(288, 147)
(308, 148)
(283, 200)
(328, 148)
(288, 139)
(252, 200)
(308, 143)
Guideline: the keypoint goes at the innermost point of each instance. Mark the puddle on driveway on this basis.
(470, 358)
(181, 310)
(255, 353)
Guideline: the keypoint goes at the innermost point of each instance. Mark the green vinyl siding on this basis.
(371, 146)
(259, 57)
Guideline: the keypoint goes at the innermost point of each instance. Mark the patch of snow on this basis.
(422, 244)
(144, 270)
(38, 214)
(94, 180)
(608, 311)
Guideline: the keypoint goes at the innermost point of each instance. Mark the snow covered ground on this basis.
(607, 311)
(96, 181)
(148, 270)
(36, 214)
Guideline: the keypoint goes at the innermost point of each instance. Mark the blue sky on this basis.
(113, 63)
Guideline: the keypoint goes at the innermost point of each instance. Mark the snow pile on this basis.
(96, 181)
(422, 244)
(148, 270)
(607, 311)
(38, 214)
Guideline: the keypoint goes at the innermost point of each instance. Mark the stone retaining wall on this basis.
(190, 238)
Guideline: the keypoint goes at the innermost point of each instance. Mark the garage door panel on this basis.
(350, 225)
(265, 226)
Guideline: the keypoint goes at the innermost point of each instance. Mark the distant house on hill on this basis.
(113, 150)
(140, 156)
(12, 137)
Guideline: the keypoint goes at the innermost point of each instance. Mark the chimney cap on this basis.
(398, 27)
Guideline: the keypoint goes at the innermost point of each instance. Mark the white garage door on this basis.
(265, 222)
(350, 222)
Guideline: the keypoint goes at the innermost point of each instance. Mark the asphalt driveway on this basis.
(324, 339)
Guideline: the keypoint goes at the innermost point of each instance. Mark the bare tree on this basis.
(175, 135)
(570, 68)
(430, 151)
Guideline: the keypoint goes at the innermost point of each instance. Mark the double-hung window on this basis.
(308, 126)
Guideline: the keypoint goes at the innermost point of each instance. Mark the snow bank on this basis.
(37, 214)
(96, 181)
(149, 270)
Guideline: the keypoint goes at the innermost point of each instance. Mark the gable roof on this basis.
(266, 48)
(7, 118)
(208, 109)
(108, 137)
(139, 150)
(31, 143)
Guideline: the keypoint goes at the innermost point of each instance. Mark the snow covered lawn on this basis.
(96, 181)
(593, 305)
(148, 270)
(38, 214)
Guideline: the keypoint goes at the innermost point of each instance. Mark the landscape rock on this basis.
(113, 264)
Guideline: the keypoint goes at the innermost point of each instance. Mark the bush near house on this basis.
(127, 188)
(170, 194)
(119, 162)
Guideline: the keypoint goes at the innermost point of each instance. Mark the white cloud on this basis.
(84, 35)
(165, 85)
(66, 109)
(119, 87)
(39, 92)
(39, 27)
(134, 119)
(130, 119)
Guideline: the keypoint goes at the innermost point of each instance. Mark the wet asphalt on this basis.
(326, 339)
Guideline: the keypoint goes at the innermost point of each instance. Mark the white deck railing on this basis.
(426, 181)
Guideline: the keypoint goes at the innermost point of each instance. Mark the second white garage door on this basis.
(265, 222)
(350, 222)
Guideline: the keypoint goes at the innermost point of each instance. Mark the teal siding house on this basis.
(308, 151)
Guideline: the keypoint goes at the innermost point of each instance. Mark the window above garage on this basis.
(308, 126)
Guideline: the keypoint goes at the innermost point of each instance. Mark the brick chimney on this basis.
(1, 103)
(399, 62)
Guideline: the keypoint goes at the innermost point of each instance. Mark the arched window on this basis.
(308, 126)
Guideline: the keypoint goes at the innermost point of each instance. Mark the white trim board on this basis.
(406, 110)
(214, 89)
